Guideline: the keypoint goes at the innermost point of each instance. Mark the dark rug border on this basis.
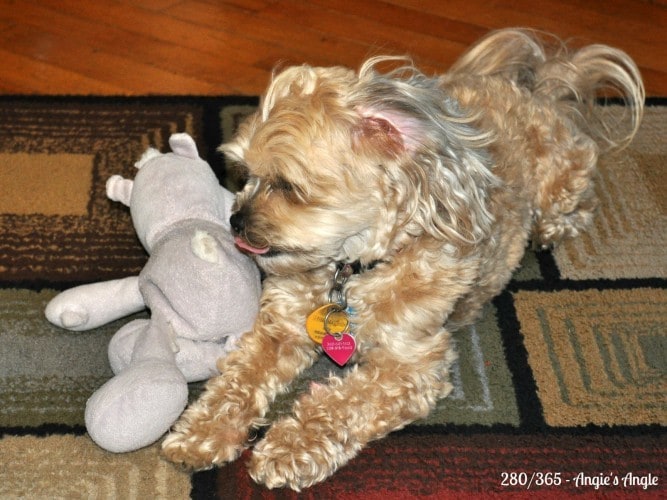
(530, 408)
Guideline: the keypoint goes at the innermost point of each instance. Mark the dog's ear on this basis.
(378, 134)
(388, 132)
(443, 180)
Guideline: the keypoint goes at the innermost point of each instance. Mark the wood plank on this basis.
(302, 45)
(580, 25)
(200, 70)
(24, 75)
(231, 46)
(144, 36)
(77, 57)
(393, 16)
(585, 19)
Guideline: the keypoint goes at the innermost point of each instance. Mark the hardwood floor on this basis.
(229, 47)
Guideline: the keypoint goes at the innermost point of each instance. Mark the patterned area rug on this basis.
(559, 389)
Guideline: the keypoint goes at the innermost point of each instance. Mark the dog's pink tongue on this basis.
(244, 246)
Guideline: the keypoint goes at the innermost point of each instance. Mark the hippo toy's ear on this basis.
(149, 154)
(183, 145)
(119, 189)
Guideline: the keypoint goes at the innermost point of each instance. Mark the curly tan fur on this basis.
(440, 183)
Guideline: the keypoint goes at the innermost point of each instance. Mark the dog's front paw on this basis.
(203, 444)
(294, 457)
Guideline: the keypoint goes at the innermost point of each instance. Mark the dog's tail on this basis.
(573, 79)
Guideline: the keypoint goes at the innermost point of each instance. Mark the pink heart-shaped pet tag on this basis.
(340, 350)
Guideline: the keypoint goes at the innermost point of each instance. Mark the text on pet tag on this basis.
(339, 348)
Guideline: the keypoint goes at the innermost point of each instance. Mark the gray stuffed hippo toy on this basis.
(201, 291)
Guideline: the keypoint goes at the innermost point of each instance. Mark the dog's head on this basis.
(352, 166)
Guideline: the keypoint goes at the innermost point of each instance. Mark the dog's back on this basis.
(561, 133)
(574, 79)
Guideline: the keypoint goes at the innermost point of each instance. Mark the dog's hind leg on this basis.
(565, 199)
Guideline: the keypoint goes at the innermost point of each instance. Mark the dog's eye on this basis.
(282, 185)
(286, 189)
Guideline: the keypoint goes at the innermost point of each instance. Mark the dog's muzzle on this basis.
(238, 223)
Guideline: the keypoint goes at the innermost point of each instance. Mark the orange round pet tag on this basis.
(336, 322)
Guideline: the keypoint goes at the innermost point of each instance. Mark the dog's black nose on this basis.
(237, 222)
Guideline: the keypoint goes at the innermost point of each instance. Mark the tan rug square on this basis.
(598, 357)
(48, 184)
(628, 238)
(74, 467)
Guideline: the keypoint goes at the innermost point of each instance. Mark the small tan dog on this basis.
(433, 188)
